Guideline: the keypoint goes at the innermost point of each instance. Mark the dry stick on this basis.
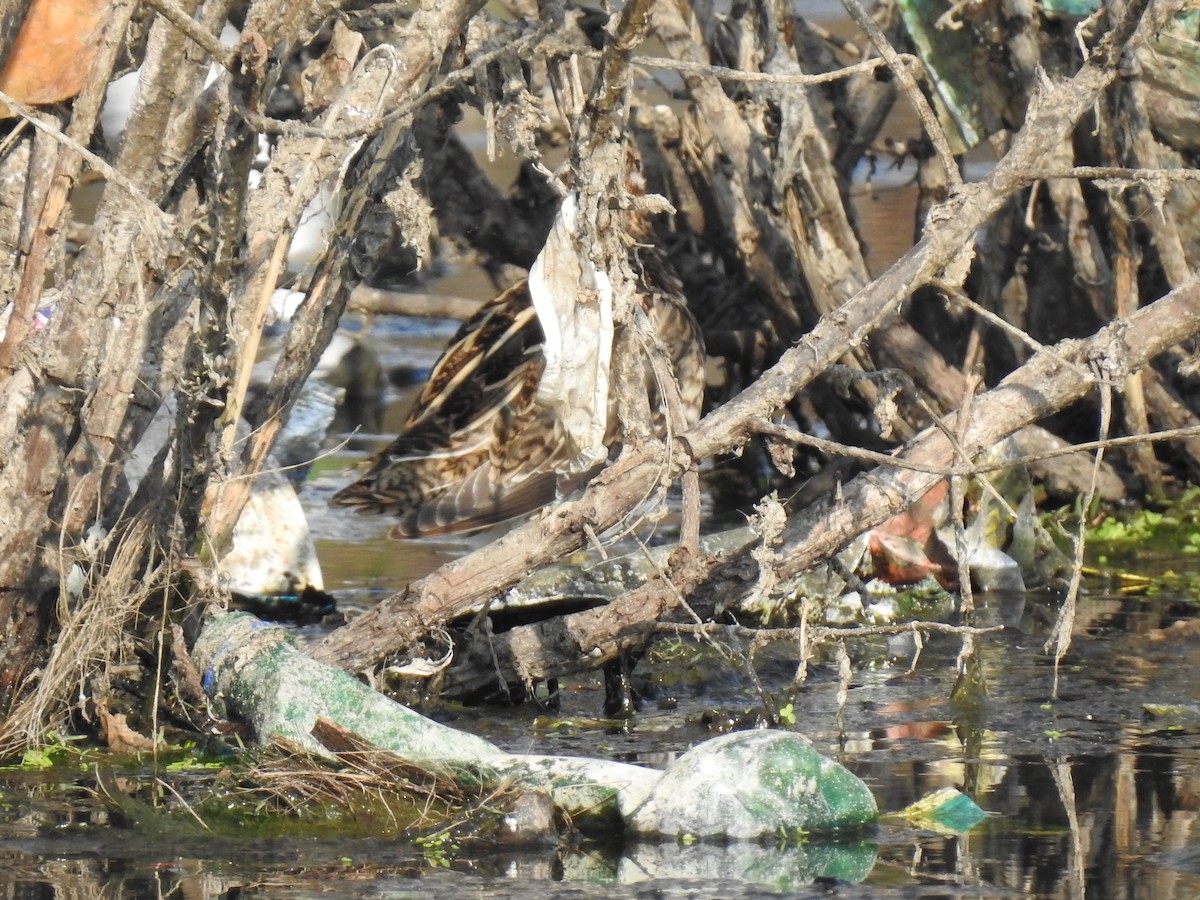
(1134, 176)
(567, 644)
(269, 252)
(226, 57)
(294, 178)
(957, 496)
(447, 85)
(456, 587)
(1152, 206)
(312, 327)
(743, 202)
(1162, 222)
(804, 646)
(1060, 637)
(904, 349)
(111, 175)
(689, 524)
(1037, 389)
(249, 339)
(813, 207)
(46, 383)
(746, 664)
(1137, 420)
(612, 81)
(845, 673)
(924, 111)
(722, 73)
(834, 448)
(1127, 258)
(818, 633)
(668, 388)
(1052, 115)
(57, 182)
(956, 294)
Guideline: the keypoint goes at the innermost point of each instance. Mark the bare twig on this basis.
(452, 82)
(53, 184)
(101, 166)
(820, 633)
(1052, 116)
(1133, 176)
(766, 79)
(226, 57)
(1060, 636)
(957, 492)
(912, 90)
(407, 70)
(959, 296)
(835, 448)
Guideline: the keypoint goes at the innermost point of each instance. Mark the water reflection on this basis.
(1088, 795)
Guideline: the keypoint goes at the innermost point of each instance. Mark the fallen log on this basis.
(757, 783)
(1049, 382)
(446, 594)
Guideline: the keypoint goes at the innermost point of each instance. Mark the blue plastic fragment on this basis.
(960, 814)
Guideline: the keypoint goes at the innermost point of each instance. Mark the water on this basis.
(1087, 795)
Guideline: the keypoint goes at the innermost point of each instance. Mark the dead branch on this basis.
(453, 589)
(164, 299)
(566, 644)
(269, 233)
(450, 591)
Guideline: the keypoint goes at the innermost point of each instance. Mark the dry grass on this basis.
(98, 635)
(362, 780)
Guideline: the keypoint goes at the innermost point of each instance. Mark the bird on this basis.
(482, 443)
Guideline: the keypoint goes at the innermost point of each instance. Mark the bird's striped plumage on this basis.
(477, 448)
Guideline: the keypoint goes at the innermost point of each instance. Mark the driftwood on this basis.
(161, 300)
(583, 640)
(762, 782)
(446, 594)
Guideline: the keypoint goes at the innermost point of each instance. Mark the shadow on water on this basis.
(1091, 794)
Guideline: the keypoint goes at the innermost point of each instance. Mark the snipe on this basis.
(510, 419)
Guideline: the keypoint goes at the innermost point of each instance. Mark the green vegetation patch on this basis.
(1153, 542)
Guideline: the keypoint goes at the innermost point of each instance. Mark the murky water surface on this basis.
(1089, 794)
